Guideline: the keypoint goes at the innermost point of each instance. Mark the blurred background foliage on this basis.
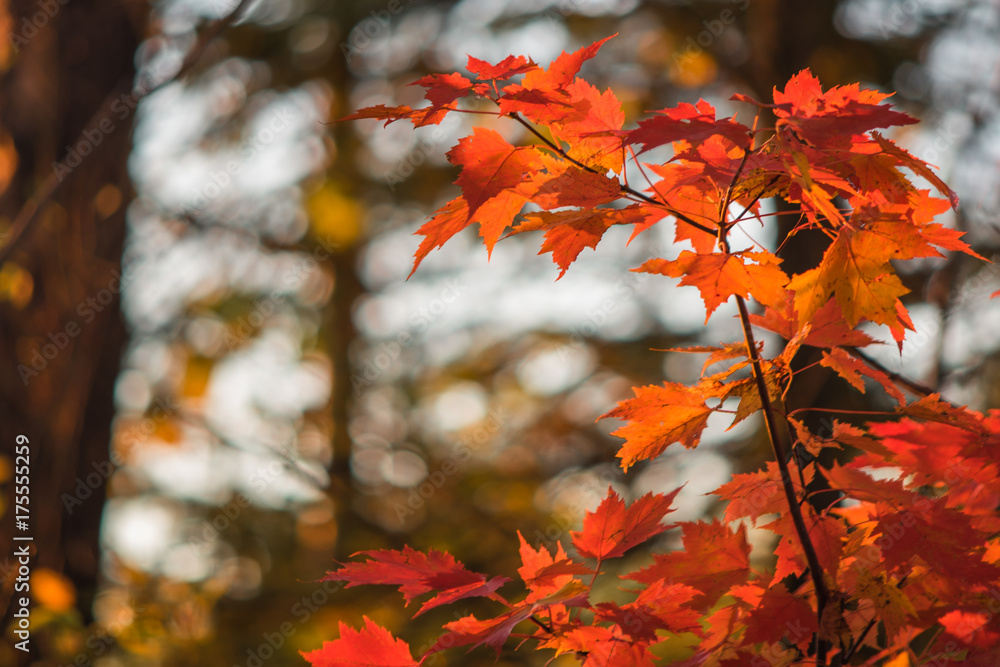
(253, 389)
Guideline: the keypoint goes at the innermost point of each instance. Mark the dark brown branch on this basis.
(542, 624)
(912, 385)
(55, 181)
(857, 642)
(815, 570)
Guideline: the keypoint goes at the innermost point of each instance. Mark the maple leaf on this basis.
(811, 442)
(762, 492)
(908, 240)
(372, 646)
(545, 573)
(603, 647)
(718, 276)
(686, 189)
(542, 96)
(659, 606)
(567, 233)
(693, 123)
(572, 186)
(945, 539)
(658, 417)
(417, 573)
(932, 408)
(612, 530)
(811, 184)
(892, 605)
(851, 369)
(825, 532)
(937, 453)
(779, 615)
(505, 69)
(443, 89)
(841, 111)
(714, 559)
(432, 115)
(827, 327)
(860, 486)
(381, 112)
(490, 165)
(447, 221)
(917, 165)
(717, 354)
(856, 270)
(471, 631)
(591, 133)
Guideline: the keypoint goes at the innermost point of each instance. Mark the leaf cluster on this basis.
(902, 568)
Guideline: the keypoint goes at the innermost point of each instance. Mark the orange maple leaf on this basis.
(658, 417)
(719, 276)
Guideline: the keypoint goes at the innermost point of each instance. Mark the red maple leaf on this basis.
(490, 165)
(568, 232)
(719, 276)
(505, 69)
(713, 560)
(613, 529)
(911, 555)
(820, 116)
(693, 123)
(372, 646)
(417, 573)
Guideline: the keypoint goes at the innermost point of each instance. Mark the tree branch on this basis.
(53, 184)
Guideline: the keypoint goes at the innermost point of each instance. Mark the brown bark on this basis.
(63, 347)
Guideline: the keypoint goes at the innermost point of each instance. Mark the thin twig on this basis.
(724, 208)
(542, 624)
(912, 385)
(54, 183)
(625, 188)
(815, 570)
(222, 438)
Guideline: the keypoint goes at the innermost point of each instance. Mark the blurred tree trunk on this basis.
(63, 344)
